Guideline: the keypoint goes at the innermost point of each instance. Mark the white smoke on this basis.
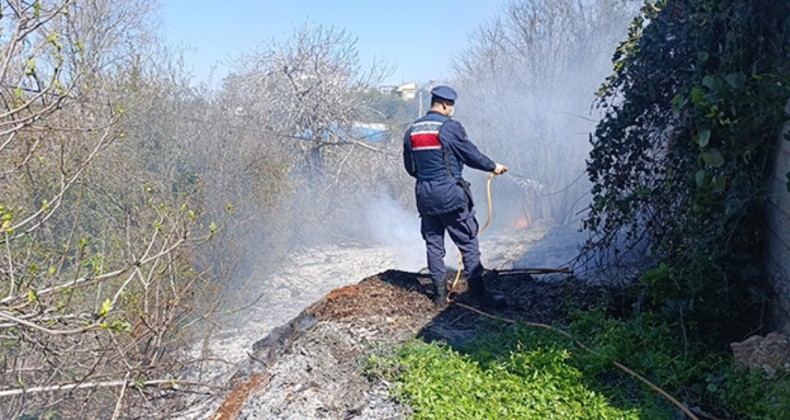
(392, 225)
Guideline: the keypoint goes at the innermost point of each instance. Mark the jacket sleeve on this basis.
(408, 157)
(464, 149)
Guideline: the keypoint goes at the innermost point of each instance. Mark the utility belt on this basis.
(464, 184)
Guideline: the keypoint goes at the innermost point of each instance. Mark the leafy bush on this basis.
(693, 113)
(522, 372)
(441, 383)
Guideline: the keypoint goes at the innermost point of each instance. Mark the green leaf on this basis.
(709, 82)
(698, 96)
(735, 80)
(703, 56)
(700, 177)
(703, 138)
(719, 182)
(105, 308)
(713, 157)
(678, 101)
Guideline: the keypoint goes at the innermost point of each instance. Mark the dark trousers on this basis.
(462, 227)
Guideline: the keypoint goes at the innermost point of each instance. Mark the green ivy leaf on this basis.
(719, 182)
(698, 96)
(735, 80)
(713, 157)
(678, 102)
(700, 178)
(709, 82)
(703, 138)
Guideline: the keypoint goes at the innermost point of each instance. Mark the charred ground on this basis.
(313, 365)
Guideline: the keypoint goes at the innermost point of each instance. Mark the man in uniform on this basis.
(435, 150)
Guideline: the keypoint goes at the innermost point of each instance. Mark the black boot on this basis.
(440, 294)
(478, 292)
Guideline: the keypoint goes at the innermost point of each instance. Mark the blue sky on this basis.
(420, 38)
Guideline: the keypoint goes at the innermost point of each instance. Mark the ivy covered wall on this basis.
(684, 154)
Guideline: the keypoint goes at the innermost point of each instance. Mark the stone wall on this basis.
(778, 235)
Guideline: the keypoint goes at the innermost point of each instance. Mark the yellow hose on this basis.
(488, 222)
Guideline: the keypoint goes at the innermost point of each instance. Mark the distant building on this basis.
(387, 90)
(407, 91)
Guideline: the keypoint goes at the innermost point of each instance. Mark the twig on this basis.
(88, 279)
(33, 325)
(535, 271)
(107, 384)
(11, 289)
(117, 411)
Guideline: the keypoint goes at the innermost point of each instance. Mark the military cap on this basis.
(444, 92)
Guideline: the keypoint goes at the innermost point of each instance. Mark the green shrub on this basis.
(518, 371)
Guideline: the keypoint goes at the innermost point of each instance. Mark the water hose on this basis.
(479, 231)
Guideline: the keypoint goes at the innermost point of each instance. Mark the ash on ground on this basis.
(312, 366)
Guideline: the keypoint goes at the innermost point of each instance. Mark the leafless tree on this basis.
(291, 110)
(96, 277)
(530, 78)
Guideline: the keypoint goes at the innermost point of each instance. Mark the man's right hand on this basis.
(500, 169)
